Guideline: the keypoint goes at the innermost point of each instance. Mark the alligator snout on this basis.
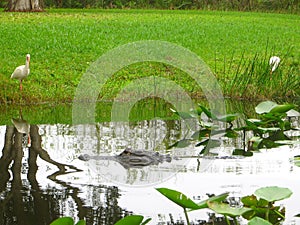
(84, 157)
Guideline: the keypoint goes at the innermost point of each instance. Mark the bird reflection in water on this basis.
(23, 127)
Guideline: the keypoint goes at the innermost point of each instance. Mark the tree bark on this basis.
(24, 6)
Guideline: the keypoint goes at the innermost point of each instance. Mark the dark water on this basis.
(43, 179)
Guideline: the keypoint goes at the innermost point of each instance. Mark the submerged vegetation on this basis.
(64, 43)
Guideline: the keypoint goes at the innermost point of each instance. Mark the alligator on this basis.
(133, 158)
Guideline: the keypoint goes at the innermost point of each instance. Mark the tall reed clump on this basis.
(253, 79)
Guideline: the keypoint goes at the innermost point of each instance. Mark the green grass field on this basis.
(63, 43)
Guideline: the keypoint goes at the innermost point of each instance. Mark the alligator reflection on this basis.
(23, 201)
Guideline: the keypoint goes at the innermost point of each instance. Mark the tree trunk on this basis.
(24, 5)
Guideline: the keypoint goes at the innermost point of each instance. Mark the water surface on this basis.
(44, 179)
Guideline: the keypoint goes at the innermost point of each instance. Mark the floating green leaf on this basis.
(226, 209)
(218, 198)
(258, 221)
(63, 221)
(265, 107)
(131, 220)
(252, 201)
(178, 198)
(273, 193)
(249, 200)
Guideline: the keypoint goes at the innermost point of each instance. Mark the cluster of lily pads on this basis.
(258, 208)
(268, 130)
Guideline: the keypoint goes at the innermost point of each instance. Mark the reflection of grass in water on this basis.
(63, 43)
(62, 113)
(144, 109)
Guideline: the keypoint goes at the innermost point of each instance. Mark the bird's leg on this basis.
(21, 87)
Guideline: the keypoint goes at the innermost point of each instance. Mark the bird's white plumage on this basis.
(22, 71)
(274, 62)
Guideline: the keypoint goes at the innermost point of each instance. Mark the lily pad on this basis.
(226, 209)
(265, 107)
(273, 193)
(252, 201)
(218, 198)
(258, 221)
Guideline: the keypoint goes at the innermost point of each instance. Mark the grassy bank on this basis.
(63, 43)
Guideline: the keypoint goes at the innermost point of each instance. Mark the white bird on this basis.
(21, 72)
(274, 62)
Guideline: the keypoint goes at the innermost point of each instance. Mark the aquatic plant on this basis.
(258, 208)
(267, 131)
(258, 221)
(67, 221)
(133, 220)
(262, 204)
(188, 204)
